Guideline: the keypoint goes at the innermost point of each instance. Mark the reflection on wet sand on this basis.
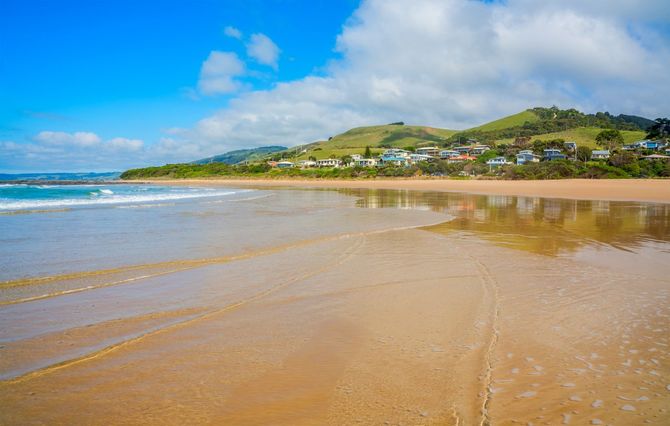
(538, 225)
(512, 310)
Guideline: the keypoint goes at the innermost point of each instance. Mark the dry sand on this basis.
(643, 190)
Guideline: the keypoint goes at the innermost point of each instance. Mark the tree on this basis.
(660, 129)
(368, 153)
(583, 153)
(409, 148)
(312, 158)
(346, 159)
(623, 159)
(609, 138)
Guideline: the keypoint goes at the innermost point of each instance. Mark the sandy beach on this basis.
(303, 307)
(643, 190)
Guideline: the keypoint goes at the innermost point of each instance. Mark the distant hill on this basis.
(240, 155)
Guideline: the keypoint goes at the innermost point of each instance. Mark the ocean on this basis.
(17, 197)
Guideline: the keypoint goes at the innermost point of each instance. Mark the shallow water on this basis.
(337, 307)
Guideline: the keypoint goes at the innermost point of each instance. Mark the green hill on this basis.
(583, 136)
(515, 120)
(240, 155)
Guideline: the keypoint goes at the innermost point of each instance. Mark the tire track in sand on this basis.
(490, 287)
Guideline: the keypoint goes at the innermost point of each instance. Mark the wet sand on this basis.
(449, 314)
(642, 190)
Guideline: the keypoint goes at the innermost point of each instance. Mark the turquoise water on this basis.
(17, 197)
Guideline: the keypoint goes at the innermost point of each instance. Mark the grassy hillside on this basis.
(234, 157)
(377, 138)
(510, 121)
(582, 135)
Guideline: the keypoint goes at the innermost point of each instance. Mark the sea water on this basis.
(22, 197)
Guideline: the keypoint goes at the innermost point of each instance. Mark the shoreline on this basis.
(636, 190)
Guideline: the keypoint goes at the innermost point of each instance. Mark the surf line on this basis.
(345, 256)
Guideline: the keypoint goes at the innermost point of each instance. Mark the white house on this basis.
(365, 162)
(356, 157)
(415, 158)
(600, 155)
(306, 163)
(329, 162)
(497, 162)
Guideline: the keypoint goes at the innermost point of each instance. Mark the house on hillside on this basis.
(551, 154)
(479, 149)
(433, 151)
(396, 152)
(527, 156)
(391, 160)
(656, 157)
(463, 150)
(304, 164)
(645, 144)
(355, 157)
(416, 158)
(460, 159)
(284, 164)
(570, 146)
(448, 153)
(600, 154)
(365, 162)
(496, 162)
(329, 162)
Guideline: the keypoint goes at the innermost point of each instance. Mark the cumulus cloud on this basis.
(81, 139)
(218, 72)
(233, 32)
(71, 151)
(454, 64)
(263, 50)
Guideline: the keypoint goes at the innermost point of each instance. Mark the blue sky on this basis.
(93, 85)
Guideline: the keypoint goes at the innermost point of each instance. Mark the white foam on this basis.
(113, 199)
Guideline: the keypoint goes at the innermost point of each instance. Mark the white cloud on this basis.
(64, 151)
(82, 139)
(232, 32)
(218, 72)
(263, 50)
(125, 144)
(452, 63)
